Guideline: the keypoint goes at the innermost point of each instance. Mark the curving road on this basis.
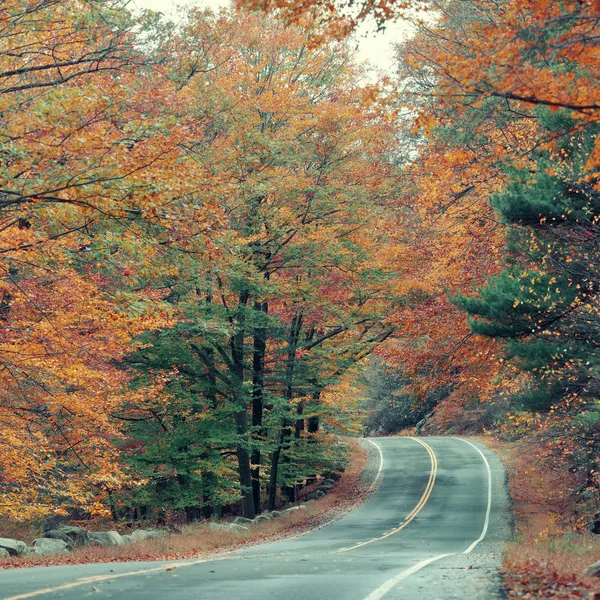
(433, 528)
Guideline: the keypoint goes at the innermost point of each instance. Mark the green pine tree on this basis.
(546, 302)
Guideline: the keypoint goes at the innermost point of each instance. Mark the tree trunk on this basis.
(312, 425)
(299, 428)
(284, 432)
(241, 415)
(208, 480)
(258, 394)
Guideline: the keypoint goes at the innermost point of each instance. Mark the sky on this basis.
(373, 47)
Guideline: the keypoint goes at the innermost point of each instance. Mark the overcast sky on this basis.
(374, 47)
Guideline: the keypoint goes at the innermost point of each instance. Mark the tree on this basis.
(289, 292)
(79, 213)
(545, 302)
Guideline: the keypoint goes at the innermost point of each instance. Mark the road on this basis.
(433, 528)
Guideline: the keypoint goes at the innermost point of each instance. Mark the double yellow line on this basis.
(417, 509)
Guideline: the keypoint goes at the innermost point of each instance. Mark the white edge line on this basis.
(489, 498)
(374, 483)
(169, 564)
(106, 577)
(383, 589)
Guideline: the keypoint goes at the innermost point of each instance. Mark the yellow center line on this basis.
(417, 509)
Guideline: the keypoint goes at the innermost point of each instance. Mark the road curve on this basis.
(433, 528)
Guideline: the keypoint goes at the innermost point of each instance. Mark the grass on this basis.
(198, 540)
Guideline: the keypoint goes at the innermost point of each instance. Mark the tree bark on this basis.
(299, 428)
(258, 394)
(241, 414)
(285, 431)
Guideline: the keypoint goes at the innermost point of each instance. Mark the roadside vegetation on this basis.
(178, 540)
(553, 544)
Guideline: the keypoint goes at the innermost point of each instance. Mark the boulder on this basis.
(139, 535)
(316, 495)
(275, 513)
(328, 481)
(287, 511)
(593, 570)
(237, 528)
(324, 488)
(218, 526)
(262, 518)
(23, 549)
(74, 537)
(419, 426)
(4, 553)
(242, 521)
(13, 547)
(332, 476)
(47, 546)
(105, 538)
(127, 539)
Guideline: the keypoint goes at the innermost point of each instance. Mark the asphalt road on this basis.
(433, 528)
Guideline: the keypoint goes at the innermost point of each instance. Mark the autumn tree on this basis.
(85, 141)
(290, 292)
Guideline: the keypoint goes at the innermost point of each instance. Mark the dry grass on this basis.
(198, 540)
(552, 547)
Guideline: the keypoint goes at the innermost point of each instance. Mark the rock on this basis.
(324, 488)
(419, 426)
(275, 513)
(287, 511)
(218, 526)
(74, 537)
(23, 549)
(332, 476)
(47, 546)
(105, 538)
(593, 570)
(139, 535)
(13, 547)
(4, 553)
(307, 503)
(242, 520)
(237, 528)
(328, 481)
(262, 518)
(316, 495)
(127, 539)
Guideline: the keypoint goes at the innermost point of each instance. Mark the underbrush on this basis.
(553, 546)
(198, 540)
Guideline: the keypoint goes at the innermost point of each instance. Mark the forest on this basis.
(224, 246)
